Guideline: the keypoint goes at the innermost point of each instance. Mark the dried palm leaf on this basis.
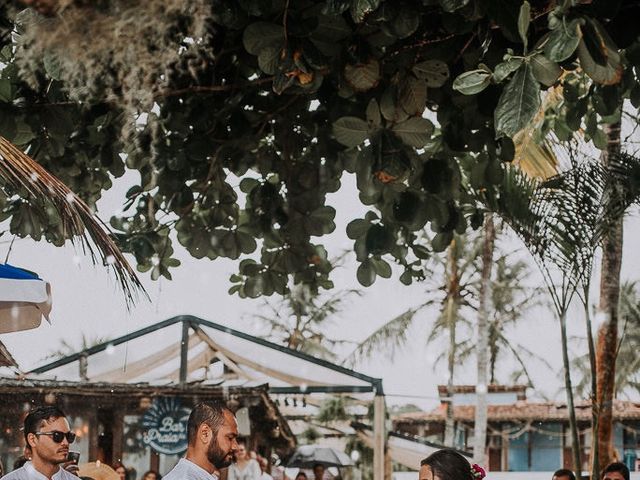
(78, 221)
(536, 157)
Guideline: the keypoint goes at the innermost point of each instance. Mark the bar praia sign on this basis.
(165, 426)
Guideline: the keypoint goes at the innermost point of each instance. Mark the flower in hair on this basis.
(477, 472)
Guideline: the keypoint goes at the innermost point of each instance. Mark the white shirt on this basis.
(29, 472)
(251, 471)
(185, 470)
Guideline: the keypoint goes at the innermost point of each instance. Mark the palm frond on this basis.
(391, 336)
(535, 158)
(77, 220)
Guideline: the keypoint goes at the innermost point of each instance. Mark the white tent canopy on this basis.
(188, 349)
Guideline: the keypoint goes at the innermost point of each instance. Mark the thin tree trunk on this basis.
(482, 347)
(452, 293)
(608, 332)
(573, 424)
(595, 456)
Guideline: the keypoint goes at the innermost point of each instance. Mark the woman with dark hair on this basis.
(448, 464)
(121, 470)
(151, 475)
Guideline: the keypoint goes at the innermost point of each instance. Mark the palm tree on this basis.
(455, 288)
(67, 348)
(300, 318)
(562, 221)
(510, 300)
(627, 359)
(536, 158)
(606, 347)
(24, 176)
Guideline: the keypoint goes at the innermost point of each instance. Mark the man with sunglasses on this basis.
(47, 436)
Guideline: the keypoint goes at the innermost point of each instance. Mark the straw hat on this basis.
(98, 471)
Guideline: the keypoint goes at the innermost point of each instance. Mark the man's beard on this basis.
(218, 457)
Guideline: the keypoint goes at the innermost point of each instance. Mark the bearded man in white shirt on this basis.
(47, 436)
(212, 433)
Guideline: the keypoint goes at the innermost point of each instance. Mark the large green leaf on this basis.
(524, 18)
(268, 59)
(414, 131)
(519, 102)
(506, 68)
(434, 72)
(363, 76)
(261, 35)
(350, 131)
(413, 95)
(545, 70)
(563, 41)
(599, 56)
(366, 274)
(472, 82)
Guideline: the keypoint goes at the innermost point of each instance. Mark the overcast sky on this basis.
(86, 300)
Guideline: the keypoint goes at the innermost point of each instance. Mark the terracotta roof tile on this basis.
(622, 410)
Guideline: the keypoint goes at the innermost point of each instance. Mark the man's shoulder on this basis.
(183, 469)
(176, 472)
(65, 474)
(17, 474)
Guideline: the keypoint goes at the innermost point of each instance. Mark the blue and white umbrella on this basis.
(24, 299)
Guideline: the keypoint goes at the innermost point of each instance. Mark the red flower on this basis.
(477, 471)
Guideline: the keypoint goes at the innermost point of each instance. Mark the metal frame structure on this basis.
(296, 385)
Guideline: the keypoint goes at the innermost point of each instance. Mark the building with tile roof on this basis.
(523, 435)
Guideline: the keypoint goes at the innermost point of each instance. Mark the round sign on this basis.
(165, 424)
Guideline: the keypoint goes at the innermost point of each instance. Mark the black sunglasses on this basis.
(57, 436)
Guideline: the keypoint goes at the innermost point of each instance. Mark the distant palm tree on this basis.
(67, 348)
(299, 320)
(627, 360)
(454, 287)
(510, 300)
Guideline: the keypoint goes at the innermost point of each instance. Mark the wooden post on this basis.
(117, 430)
(92, 419)
(379, 436)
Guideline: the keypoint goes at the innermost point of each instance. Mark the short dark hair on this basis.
(449, 464)
(211, 413)
(564, 472)
(34, 419)
(616, 467)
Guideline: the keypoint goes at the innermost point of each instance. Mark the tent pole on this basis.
(184, 352)
(378, 437)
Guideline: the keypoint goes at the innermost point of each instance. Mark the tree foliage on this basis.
(241, 116)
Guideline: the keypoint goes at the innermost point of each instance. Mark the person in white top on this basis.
(212, 433)
(48, 436)
(264, 466)
(245, 467)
